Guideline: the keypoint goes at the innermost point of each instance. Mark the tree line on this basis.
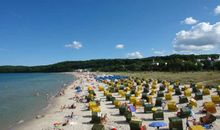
(172, 63)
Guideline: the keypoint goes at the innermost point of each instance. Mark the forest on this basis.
(171, 63)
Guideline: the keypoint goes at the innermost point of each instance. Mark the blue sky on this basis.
(38, 32)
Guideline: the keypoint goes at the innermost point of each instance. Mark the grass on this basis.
(211, 78)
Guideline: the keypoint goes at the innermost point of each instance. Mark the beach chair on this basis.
(101, 88)
(113, 99)
(187, 92)
(183, 99)
(139, 102)
(172, 106)
(127, 96)
(98, 127)
(160, 94)
(144, 96)
(184, 112)
(148, 108)
(158, 115)
(196, 127)
(135, 124)
(158, 102)
(105, 92)
(154, 86)
(192, 102)
(137, 93)
(96, 109)
(210, 107)
(199, 86)
(132, 99)
(153, 92)
(215, 99)
(178, 91)
(122, 109)
(92, 104)
(168, 96)
(150, 99)
(128, 116)
(162, 88)
(170, 89)
(140, 88)
(146, 90)
(96, 118)
(109, 96)
(205, 91)
(175, 123)
(195, 90)
(117, 103)
(198, 96)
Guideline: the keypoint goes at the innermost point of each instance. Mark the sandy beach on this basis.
(81, 117)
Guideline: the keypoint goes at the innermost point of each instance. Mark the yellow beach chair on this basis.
(192, 102)
(168, 96)
(210, 107)
(215, 99)
(206, 91)
(172, 106)
(187, 92)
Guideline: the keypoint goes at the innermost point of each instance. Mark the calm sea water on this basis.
(23, 96)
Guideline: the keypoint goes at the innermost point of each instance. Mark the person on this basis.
(66, 122)
(187, 123)
(72, 114)
(163, 104)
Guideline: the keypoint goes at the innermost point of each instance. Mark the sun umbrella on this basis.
(158, 124)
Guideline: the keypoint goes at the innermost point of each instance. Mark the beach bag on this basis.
(175, 123)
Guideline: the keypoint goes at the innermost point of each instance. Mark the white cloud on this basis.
(160, 53)
(217, 10)
(190, 20)
(119, 46)
(134, 55)
(75, 45)
(201, 37)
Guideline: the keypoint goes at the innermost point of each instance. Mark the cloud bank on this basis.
(201, 37)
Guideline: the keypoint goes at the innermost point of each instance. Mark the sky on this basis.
(40, 32)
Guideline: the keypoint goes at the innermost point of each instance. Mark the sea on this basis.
(24, 95)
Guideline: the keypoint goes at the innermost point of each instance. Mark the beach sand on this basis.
(82, 117)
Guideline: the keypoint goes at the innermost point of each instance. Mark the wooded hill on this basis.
(172, 63)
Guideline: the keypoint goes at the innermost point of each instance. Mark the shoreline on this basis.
(52, 102)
